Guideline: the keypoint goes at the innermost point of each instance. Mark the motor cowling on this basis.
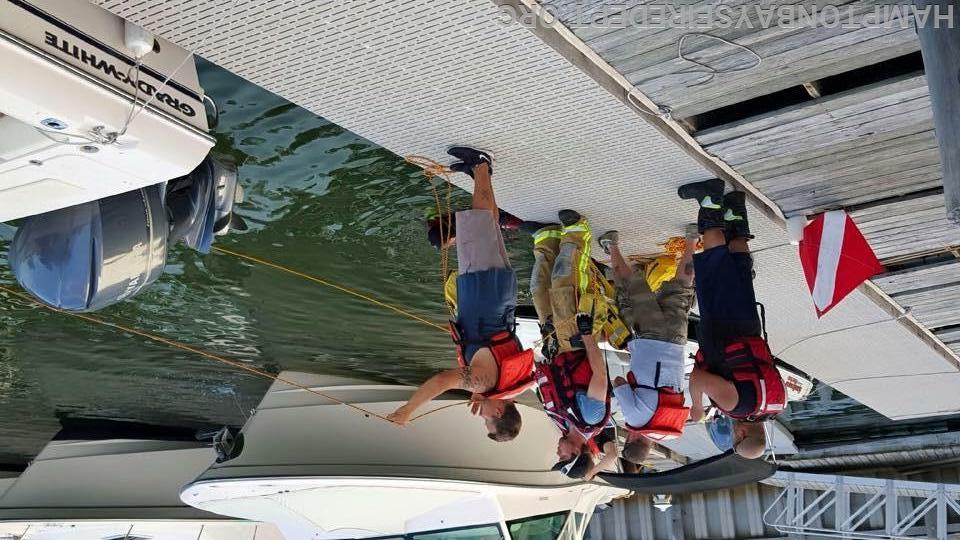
(86, 257)
(92, 255)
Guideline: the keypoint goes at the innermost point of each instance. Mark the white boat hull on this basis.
(315, 468)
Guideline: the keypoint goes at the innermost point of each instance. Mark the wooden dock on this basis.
(866, 147)
(831, 118)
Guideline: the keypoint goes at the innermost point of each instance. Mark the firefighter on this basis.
(572, 379)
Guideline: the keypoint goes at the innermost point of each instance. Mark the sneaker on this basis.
(471, 157)
(462, 167)
(735, 216)
(607, 240)
(708, 193)
(569, 217)
(509, 222)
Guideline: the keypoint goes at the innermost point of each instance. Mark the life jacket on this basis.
(748, 359)
(559, 381)
(514, 364)
(668, 420)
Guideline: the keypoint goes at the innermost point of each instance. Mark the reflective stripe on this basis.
(583, 267)
(580, 226)
(763, 396)
(545, 234)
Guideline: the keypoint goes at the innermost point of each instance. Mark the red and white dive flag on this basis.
(836, 259)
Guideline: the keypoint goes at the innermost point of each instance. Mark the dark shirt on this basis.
(746, 398)
(713, 336)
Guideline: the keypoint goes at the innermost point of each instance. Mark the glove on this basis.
(585, 323)
(550, 349)
(547, 329)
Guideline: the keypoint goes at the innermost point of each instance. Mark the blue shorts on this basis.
(592, 411)
(727, 301)
(486, 305)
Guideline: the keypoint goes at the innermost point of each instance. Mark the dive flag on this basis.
(836, 259)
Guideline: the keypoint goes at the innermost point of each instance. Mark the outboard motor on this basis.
(92, 255)
(200, 205)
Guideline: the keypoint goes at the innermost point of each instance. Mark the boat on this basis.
(104, 154)
(306, 467)
(120, 483)
(315, 468)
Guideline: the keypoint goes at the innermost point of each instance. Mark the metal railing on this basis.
(790, 513)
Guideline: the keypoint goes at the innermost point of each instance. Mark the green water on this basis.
(319, 199)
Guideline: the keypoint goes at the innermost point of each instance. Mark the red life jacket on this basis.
(559, 381)
(668, 420)
(514, 364)
(748, 359)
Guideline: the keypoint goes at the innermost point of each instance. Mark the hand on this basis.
(550, 348)
(547, 329)
(696, 414)
(585, 323)
(591, 474)
(475, 401)
(401, 416)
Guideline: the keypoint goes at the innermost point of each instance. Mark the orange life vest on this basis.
(748, 359)
(559, 381)
(668, 420)
(514, 364)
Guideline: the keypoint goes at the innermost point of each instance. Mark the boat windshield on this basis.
(545, 527)
(479, 532)
(483, 532)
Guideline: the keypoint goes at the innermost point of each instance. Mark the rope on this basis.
(432, 170)
(712, 71)
(330, 284)
(218, 28)
(216, 358)
(664, 112)
(98, 135)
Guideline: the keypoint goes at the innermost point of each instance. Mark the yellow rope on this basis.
(676, 245)
(433, 170)
(210, 356)
(330, 284)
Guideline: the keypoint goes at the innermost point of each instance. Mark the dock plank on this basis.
(931, 293)
(828, 127)
(793, 50)
(900, 228)
(847, 149)
(913, 279)
(767, 41)
(687, 96)
(908, 138)
(877, 93)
